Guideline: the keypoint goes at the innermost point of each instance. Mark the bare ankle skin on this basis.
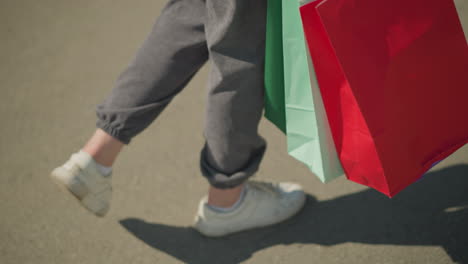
(103, 148)
(224, 198)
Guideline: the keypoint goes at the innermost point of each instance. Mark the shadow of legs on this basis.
(433, 211)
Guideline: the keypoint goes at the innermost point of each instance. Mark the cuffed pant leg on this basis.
(235, 31)
(171, 54)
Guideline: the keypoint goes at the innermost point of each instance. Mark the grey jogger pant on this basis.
(231, 35)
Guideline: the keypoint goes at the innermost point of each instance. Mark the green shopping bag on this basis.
(308, 133)
(274, 78)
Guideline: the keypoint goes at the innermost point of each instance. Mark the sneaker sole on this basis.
(219, 235)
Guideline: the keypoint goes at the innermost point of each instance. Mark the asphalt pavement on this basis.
(59, 59)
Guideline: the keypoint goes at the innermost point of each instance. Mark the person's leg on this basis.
(236, 32)
(172, 53)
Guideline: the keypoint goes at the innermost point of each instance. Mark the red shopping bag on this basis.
(394, 81)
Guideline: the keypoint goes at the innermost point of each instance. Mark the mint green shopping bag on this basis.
(308, 133)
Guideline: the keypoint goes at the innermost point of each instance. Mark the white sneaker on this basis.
(80, 177)
(264, 204)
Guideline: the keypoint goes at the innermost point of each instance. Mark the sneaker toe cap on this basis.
(293, 196)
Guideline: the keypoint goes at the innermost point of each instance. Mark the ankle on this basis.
(224, 198)
(86, 159)
(103, 148)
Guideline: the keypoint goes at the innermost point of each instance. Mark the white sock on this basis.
(234, 206)
(106, 171)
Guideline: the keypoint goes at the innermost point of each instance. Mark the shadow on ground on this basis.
(433, 211)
